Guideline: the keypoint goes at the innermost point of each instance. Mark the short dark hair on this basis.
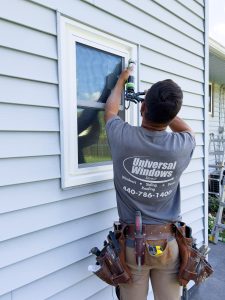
(163, 101)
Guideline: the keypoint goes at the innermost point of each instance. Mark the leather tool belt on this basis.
(193, 263)
(112, 261)
(152, 232)
(149, 232)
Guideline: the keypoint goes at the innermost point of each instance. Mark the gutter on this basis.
(216, 48)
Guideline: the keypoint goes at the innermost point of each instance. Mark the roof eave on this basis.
(216, 48)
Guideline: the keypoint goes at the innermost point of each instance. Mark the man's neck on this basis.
(153, 126)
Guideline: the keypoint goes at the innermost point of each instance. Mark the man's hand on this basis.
(125, 74)
(113, 102)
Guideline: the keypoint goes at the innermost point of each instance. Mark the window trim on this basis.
(69, 32)
(210, 110)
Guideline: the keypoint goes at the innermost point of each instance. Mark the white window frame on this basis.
(69, 32)
(211, 100)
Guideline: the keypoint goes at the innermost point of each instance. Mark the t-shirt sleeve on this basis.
(189, 142)
(115, 128)
(186, 146)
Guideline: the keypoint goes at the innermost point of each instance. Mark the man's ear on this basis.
(143, 106)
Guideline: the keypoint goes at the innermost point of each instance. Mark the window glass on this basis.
(97, 72)
(92, 140)
(210, 98)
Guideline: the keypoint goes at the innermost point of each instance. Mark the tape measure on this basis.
(155, 250)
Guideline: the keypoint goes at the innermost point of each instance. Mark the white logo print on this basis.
(144, 169)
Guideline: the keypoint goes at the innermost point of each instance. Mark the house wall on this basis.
(46, 232)
(217, 118)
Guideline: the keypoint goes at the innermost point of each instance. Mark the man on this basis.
(148, 162)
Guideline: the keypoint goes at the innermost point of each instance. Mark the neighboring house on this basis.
(216, 89)
(56, 202)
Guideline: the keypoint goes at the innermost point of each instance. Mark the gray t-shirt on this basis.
(147, 168)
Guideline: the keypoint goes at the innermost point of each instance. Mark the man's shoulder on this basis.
(116, 123)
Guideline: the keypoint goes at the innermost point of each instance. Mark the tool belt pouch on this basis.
(193, 265)
(113, 269)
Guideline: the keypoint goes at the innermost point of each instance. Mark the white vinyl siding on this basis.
(47, 231)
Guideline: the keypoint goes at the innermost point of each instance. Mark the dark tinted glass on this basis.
(97, 72)
(92, 140)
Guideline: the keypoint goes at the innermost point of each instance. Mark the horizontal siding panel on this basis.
(191, 178)
(194, 7)
(195, 165)
(199, 236)
(19, 196)
(193, 215)
(20, 170)
(193, 100)
(139, 18)
(199, 139)
(81, 290)
(197, 126)
(28, 220)
(184, 13)
(160, 61)
(27, 40)
(44, 240)
(106, 293)
(28, 92)
(193, 203)
(164, 15)
(6, 297)
(152, 75)
(197, 226)
(28, 66)
(201, 2)
(22, 144)
(102, 20)
(188, 192)
(29, 14)
(198, 152)
(54, 282)
(191, 113)
(28, 118)
(48, 262)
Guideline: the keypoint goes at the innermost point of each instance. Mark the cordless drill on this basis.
(130, 84)
(130, 94)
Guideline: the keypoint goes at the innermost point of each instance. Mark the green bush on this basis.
(211, 220)
(213, 205)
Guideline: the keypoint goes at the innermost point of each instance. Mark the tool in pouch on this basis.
(193, 263)
(110, 261)
(139, 240)
(155, 250)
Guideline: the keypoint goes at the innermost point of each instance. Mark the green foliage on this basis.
(211, 220)
(213, 205)
(213, 208)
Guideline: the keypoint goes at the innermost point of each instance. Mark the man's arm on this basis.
(113, 102)
(178, 125)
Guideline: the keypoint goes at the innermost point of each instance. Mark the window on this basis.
(90, 63)
(210, 99)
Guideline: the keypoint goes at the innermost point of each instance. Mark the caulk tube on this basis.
(130, 84)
